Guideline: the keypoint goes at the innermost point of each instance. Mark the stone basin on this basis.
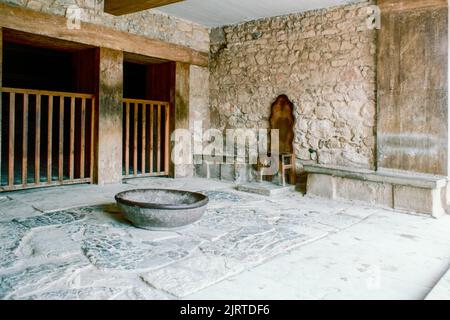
(160, 209)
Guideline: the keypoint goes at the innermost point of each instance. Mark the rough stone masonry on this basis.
(324, 60)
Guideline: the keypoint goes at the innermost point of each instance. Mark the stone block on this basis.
(406, 191)
(420, 200)
(227, 172)
(321, 185)
(368, 191)
(200, 170)
(266, 188)
(207, 170)
(241, 173)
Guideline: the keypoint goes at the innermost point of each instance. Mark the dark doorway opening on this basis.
(48, 106)
(146, 116)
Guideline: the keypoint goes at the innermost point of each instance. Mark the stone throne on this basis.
(282, 119)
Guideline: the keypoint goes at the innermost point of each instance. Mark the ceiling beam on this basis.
(121, 7)
(55, 26)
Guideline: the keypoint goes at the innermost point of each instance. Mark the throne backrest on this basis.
(282, 118)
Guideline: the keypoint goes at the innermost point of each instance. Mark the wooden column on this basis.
(180, 111)
(413, 118)
(109, 144)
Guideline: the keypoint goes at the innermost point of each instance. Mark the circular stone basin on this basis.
(158, 209)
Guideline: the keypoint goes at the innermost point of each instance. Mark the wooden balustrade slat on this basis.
(37, 157)
(151, 148)
(61, 140)
(135, 144)
(12, 116)
(167, 142)
(50, 140)
(144, 129)
(155, 128)
(82, 137)
(72, 139)
(39, 113)
(91, 169)
(127, 138)
(158, 158)
(25, 141)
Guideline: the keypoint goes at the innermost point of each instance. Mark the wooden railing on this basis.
(146, 138)
(49, 137)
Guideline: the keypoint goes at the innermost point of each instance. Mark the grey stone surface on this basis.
(416, 193)
(321, 185)
(411, 179)
(419, 200)
(75, 294)
(209, 170)
(324, 60)
(93, 252)
(442, 289)
(265, 188)
(33, 278)
(387, 256)
(11, 209)
(111, 251)
(11, 234)
(372, 192)
(228, 172)
(223, 196)
(202, 271)
(51, 219)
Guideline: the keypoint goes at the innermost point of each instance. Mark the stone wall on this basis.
(324, 60)
(147, 23)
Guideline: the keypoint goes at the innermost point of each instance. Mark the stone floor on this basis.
(72, 243)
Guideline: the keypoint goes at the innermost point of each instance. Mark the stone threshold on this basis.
(398, 190)
(265, 188)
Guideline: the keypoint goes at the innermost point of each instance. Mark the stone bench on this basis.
(232, 172)
(418, 193)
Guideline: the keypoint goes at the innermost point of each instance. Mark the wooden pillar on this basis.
(179, 97)
(413, 118)
(109, 144)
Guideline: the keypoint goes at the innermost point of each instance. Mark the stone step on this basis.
(265, 188)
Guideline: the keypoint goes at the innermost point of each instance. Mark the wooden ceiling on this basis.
(121, 7)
